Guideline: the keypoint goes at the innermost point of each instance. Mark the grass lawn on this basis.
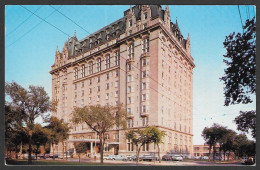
(51, 162)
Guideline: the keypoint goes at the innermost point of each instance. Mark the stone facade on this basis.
(142, 61)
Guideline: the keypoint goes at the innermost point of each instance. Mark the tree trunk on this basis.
(214, 153)
(138, 154)
(30, 148)
(224, 155)
(209, 152)
(101, 149)
(53, 157)
(16, 149)
(63, 151)
(228, 156)
(159, 153)
(37, 148)
(79, 157)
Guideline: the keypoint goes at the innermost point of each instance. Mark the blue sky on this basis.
(30, 49)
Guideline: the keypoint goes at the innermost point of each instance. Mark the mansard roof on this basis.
(114, 30)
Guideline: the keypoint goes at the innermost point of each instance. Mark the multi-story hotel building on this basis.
(141, 60)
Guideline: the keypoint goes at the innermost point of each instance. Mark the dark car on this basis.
(167, 157)
(55, 155)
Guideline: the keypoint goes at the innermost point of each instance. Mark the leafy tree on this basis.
(81, 148)
(155, 135)
(240, 143)
(240, 77)
(212, 136)
(14, 131)
(247, 121)
(57, 132)
(226, 142)
(31, 103)
(100, 119)
(139, 138)
(39, 137)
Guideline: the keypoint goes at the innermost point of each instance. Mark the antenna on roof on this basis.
(74, 33)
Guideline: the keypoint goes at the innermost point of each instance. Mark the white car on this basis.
(205, 157)
(109, 157)
(177, 158)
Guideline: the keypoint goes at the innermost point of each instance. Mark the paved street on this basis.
(163, 163)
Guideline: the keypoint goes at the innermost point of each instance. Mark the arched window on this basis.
(90, 67)
(117, 58)
(76, 73)
(83, 70)
(99, 64)
(107, 61)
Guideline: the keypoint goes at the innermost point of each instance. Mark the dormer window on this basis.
(130, 23)
(145, 15)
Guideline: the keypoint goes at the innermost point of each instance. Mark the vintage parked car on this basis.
(109, 157)
(205, 157)
(120, 157)
(149, 157)
(135, 157)
(167, 157)
(177, 158)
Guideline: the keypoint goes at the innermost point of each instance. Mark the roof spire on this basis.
(74, 33)
(131, 8)
(176, 21)
(57, 49)
(167, 8)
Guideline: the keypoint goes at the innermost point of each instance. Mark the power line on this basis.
(30, 29)
(70, 20)
(23, 22)
(240, 18)
(45, 21)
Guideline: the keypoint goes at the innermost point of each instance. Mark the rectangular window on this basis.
(131, 51)
(90, 67)
(98, 88)
(129, 78)
(129, 100)
(129, 89)
(107, 61)
(107, 85)
(99, 64)
(98, 79)
(144, 97)
(146, 45)
(116, 94)
(89, 100)
(117, 58)
(82, 93)
(116, 84)
(98, 98)
(117, 73)
(83, 71)
(107, 96)
(107, 76)
(76, 74)
(90, 81)
(90, 90)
